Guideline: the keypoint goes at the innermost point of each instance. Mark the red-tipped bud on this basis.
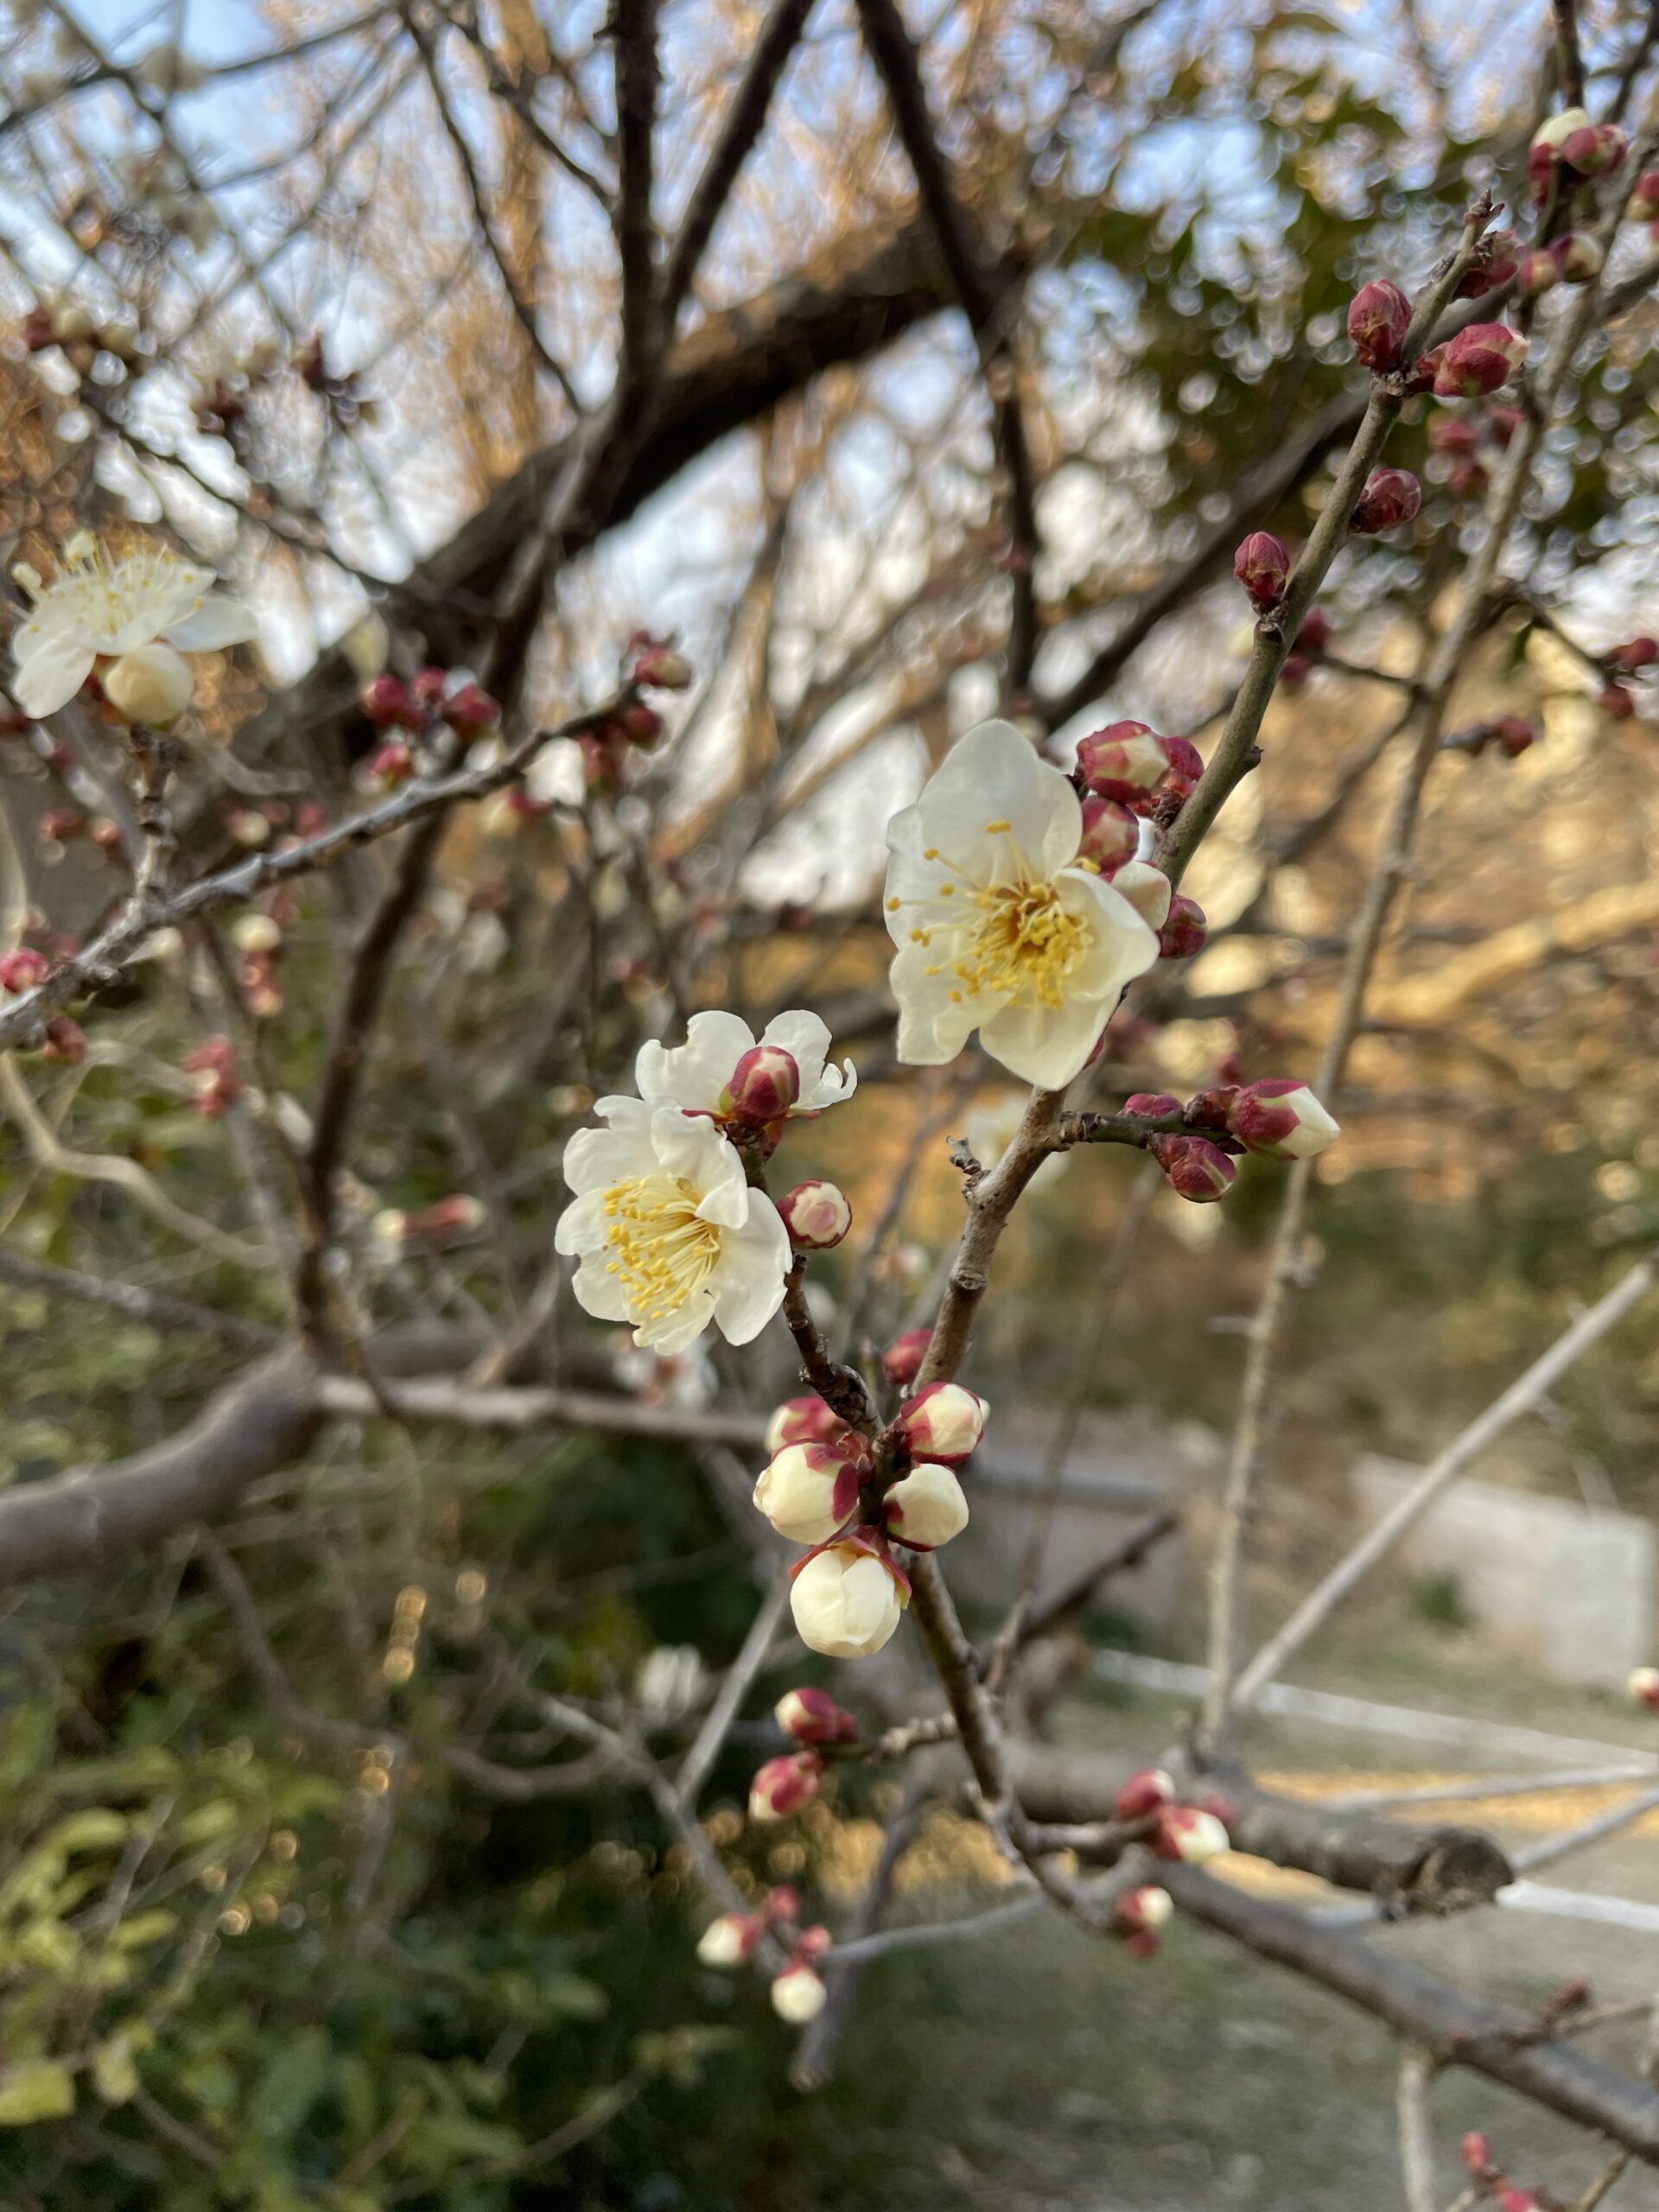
(426, 690)
(1644, 201)
(1392, 496)
(726, 1941)
(765, 1085)
(1193, 1167)
(804, 1420)
(60, 825)
(901, 1362)
(811, 1716)
(1110, 833)
(1617, 704)
(1315, 633)
(1123, 762)
(798, 1995)
(21, 969)
(386, 703)
(1579, 256)
(65, 1040)
(1466, 479)
(808, 1492)
(1378, 318)
(1539, 272)
(1516, 2200)
(1643, 1686)
(1185, 930)
(784, 1783)
(471, 711)
(661, 667)
(639, 724)
(1493, 264)
(1475, 2152)
(1142, 1911)
(1280, 1117)
(1185, 766)
(1185, 1833)
(390, 764)
(925, 1508)
(817, 1216)
(942, 1421)
(1151, 1105)
(1594, 149)
(1262, 567)
(1639, 652)
(1143, 1793)
(1479, 360)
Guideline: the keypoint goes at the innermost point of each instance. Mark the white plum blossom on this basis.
(846, 1602)
(101, 609)
(798, 1995)
(1000, 927)
(668, 1233)
(694, 1076)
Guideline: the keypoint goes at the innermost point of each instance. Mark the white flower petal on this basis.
(51, 675)
(747, 1282)
(994, 774)
(695, 1073)
(933, 1026)
(1046, 1046)
(595, 1159)
(675, 1333)
(1125, 944)
(806, 1038)
(691, 1146)
(581, 1227)
(598, 1292)
(219, 622)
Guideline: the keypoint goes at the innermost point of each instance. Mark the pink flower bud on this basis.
(726, 1941)
(64, 1041)
(1123, 762)
(1643, 1686)
(1594, 149)
(902, 1360)
(1185, 766)
(1617, 704)
(1110, 833)
(1143, 1912)
(1183, 1831)
(1151, 1105)
(1148, 890)
(1640, 652)
(808, 1490)
(765, 1085)
(1493, 264)
(426, 690)
(1475, 2152)
(811, 1716)
(927, 1508)
(660, 667)
(1579, 257)
(471, 711)
(1378, 318)
(1262, 567)
(816, 1215)
(1452, 434)
(1392, 496)
(804, 1420)
(391, 764)
(1143, 1793)
(1184, 931)
(639, 724)
(1539, 272)
(388, 705)
(21, 969)
(1283, 1118)
(1479, 360)
(784, 1783)
(942, 1421)
(1194, 1168)
(1315, 633)
(1516, 2200)
(798, 1996)
(1644, 201)
(1294, 672)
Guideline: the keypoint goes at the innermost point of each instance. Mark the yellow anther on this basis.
(997, 828)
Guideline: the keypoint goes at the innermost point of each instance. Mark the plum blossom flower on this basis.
(696, 1076)
(104, 609)
(668, 1234)
(1000, 927)
(846, 1600)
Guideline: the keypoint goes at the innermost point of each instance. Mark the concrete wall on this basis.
(1567, 1589)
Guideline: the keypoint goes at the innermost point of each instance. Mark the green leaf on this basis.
(35, 2088)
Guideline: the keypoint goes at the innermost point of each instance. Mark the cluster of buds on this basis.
(1391, 497)
(1127, 767)
(1278, 1117)
(1480, 360)
(654, 664)
(1512, 734)
(1489, 2181)
(1458, 441)
(1575, 257)
(1189, 1830)
(1262, 567)
(217, 1086)
(433, 694)
(1569, 149)
(732, 1939)
(258, 939)
(435, 1227)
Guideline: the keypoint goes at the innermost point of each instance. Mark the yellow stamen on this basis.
(664, 1253)
(1023, 947)
(997, 828)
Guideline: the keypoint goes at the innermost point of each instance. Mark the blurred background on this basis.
(337, 279)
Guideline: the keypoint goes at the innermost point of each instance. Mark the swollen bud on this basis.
(1643, 1686)
(1579, 256)
(1617, 704)
(927, 1508)
(1262, 567)
(1183, 1831)
(798, 1995)
(1638, 653)
(1593, 149)
(1193, 1167)
(1151, 1105)
(817, 1216)
(726, 1941)
(1280, 1117)
(1539, 272)
(1124, 762)
(1644, 201)
(1143, 1912)
(1475, 2152)
(783, 1783)
(151, 685)
(901, 1362)
(804, 1420)
(21, 969)
(1185, 930)
(765, 1085)
(1378, 318)
(471, 711)
(808, 1492)
(1392, 496)
(1143, 1793)
(1110, 833)
(1479, 361)
(846, 1600)
(1185, 766)
(942, 1421)
(811, 1716)
(388, 705)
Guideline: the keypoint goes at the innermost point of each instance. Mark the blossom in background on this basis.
(998, 927)
(668, 1234)
(697, 1076)
(149, 603)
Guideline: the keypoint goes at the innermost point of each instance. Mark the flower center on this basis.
(1023, 945)
(661, 1252)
